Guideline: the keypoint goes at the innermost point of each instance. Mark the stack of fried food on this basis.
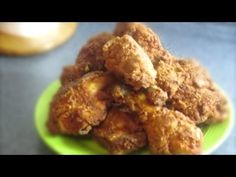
(128, 92)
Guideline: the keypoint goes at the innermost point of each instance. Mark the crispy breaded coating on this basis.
(171, 132)
(219, 111)
(90, 58)
(80, 105)
(136, 101)
(168, 131)
(73, 72)
(92, 51)
(156, 96)
(191, 90)
(194, 74)
(200, 105)
(197, 97)
(120, 132)
(127, 60)
(169, 76)
(146, 38)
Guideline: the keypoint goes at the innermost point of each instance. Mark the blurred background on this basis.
(23, 78)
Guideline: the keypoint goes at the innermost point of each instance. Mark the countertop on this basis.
(22, 79)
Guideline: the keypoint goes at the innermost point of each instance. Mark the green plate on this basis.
(214, 134)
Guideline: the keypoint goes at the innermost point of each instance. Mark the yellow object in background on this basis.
(28, 38)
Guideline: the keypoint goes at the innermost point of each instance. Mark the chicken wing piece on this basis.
(127, 60)
(168, 131)
(120, 132)
(80, 105)
(90, 58)
(146, 38)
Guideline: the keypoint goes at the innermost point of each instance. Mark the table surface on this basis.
(22, 79)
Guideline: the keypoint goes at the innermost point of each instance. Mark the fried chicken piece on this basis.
(146, 38)
(170, 75)
(73, 72)
(197, 97)
(92, 51)
(127, 60)
(174, 73)
(200, 105)
(168, 131)
(80, 105)
(220, 109)
(194, 74)
(90, 58)
(171, 132)
(191, 90)
(120, 133)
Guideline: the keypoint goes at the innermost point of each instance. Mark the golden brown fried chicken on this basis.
(120, 133)
(172, 74)
(90, 58)
(92, 50)
(197, 97)
(146, 38)
(169, 76)
(191, 90)
(220, 110)
(194, 74)
(171, 132)
(80, 105)
(127, 60)
(158, 98)
(200, 105)
(73, 72)
(168, 131)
